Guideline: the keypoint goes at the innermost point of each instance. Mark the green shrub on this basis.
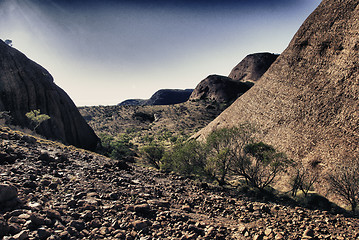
(153, 154)
(187, 158)
(120, 148)
(36, 118)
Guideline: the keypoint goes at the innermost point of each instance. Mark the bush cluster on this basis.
(119, 148)
(226, 152)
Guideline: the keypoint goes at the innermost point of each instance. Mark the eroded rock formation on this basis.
(252, 67)
(26, 86)
(219, 88)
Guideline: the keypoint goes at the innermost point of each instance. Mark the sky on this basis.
(104, 52)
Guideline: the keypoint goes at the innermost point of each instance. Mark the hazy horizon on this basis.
(104, 52)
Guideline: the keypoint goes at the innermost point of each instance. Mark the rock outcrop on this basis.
(162, 97)
(307, 103)
(169, 96)
(26, 86)
(252, 67)
(133, 102)
(219, 88)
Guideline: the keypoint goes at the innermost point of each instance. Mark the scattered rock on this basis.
(7, 192)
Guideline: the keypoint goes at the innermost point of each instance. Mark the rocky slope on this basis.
(218, 88)
(26, 86)
(307, 103)
(51, 191)
(252, 67)
(143, 122)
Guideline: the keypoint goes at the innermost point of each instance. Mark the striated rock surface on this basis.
(26, 86)
(252, 67)
(307, 103)
(219, 88)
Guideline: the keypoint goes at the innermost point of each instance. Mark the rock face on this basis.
(307, 103)
(219, 88)
(26, 86)
(252, 67)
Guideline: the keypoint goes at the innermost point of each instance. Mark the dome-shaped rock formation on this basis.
(219, 88)
(307, 103)
(169, 96)
(26, 86)
(252, 67)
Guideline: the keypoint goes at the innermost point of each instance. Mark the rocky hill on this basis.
(162, 97)
(219, 88)
(26, 86)
(152, 122)
(52, 191)
(252, 67)
(307, 103)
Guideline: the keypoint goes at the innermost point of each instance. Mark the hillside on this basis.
(307, 103)
(52, 191)
(159, 122)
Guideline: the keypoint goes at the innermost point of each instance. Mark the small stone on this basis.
(186, 208)
(53, 214)
(78, 224)
(7, 192)
(258, 237)
(21, 235)
(268, 231)
(139, 225)
(308, 233)
(37, 219)
(142, 208)
(30, 184)
(43, 233)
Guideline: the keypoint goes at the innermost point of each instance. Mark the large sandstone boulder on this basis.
(26, 86)
(307, 103)
(252, 67)
(219, 88)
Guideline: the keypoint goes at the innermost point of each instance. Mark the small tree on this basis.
(259, 164)
(303, 180)
(8, 42)
(153, 154)
(344, 181)
(36, 118)
(223, 146)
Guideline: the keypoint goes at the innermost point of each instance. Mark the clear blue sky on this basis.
(103, 52)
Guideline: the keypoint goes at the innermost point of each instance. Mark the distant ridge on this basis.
(162, 97)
